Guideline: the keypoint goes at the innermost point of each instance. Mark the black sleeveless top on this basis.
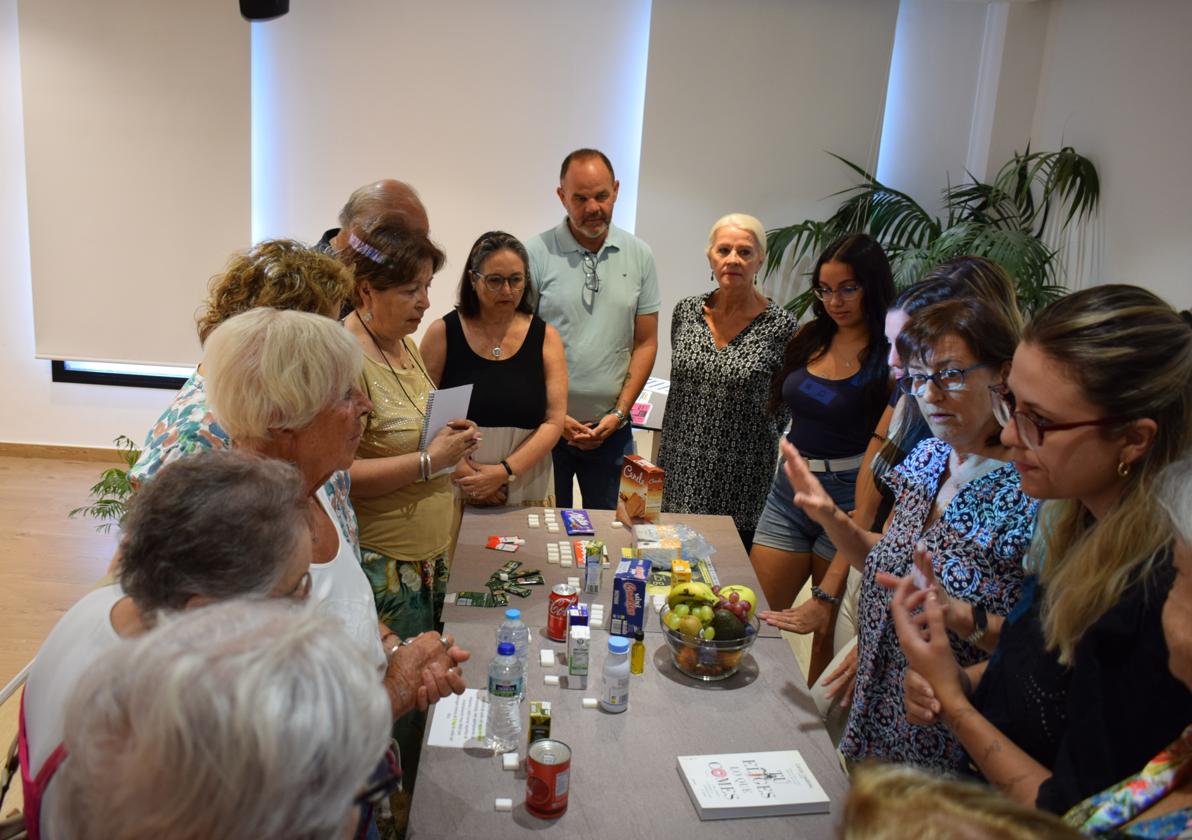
(508, 393)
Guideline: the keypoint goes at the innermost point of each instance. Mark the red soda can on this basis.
(561, 597)
(548, 778)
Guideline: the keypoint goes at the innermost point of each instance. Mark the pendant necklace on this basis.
(385, 358)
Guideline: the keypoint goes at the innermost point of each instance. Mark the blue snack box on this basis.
(629, 597)
(577, 523)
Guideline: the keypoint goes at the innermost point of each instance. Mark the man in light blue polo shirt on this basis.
(597, 285)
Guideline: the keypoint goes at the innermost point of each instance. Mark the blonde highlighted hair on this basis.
(1131, 355)
(280, 273)
(894, 802)
(745, 222)
(275, 369)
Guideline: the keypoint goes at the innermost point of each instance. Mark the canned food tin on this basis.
(548, 778)
(561, 597)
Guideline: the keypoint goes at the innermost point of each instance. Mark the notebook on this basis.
(442, 406)
(760, 784)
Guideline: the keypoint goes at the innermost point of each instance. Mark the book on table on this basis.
(757, 784)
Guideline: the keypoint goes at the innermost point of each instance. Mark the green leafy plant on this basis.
(1018, 220)
(111, 493)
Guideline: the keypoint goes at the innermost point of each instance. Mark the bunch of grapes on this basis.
(733, 604)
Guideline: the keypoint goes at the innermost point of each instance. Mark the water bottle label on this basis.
(504, 688)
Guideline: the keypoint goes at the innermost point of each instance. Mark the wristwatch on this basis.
(509, 472)
(980, 623)
(620, 415)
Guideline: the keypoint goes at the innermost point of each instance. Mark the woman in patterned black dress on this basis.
(719, 438)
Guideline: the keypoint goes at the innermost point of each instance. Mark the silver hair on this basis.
(1175, 495)
(218, 524)
(745, 222)
(272, 369)
(244, 719)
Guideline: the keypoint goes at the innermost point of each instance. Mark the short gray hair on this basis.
(238, 720)
(273, 369)
(1174, 494)
(745, 222)
(218, 524)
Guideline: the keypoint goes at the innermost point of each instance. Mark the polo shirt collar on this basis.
(567, 243)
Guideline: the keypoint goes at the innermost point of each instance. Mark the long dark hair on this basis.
(483, 248)
(865, 257)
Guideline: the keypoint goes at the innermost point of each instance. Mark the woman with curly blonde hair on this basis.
(278, 273)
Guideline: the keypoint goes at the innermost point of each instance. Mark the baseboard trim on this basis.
(61, 453)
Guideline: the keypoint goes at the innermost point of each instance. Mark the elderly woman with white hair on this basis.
(177, 734)
(726, 346)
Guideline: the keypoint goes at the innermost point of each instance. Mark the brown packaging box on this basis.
(640, 497)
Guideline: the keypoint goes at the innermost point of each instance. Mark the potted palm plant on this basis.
(1019, 220)
(110, 495)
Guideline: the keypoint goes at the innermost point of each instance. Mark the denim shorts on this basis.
(787, 528)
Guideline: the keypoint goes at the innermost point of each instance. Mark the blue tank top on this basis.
(831, 418)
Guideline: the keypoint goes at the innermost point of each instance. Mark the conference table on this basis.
(624, 776)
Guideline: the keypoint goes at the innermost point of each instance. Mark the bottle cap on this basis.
(639, 636)
(512, 614)
(618, 644)
(506, 649)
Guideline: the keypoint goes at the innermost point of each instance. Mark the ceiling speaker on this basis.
(263, 9)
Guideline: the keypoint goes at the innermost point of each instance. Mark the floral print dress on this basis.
(1106, 813)
(977, 547)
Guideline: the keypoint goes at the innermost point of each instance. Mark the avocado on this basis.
(727, 626)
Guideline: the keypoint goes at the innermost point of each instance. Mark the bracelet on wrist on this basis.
(621, 416)
(980, 624)
(820, 595)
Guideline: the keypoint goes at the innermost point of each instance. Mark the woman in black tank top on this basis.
(516, 366)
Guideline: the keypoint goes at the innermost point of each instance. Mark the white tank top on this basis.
(342, 587)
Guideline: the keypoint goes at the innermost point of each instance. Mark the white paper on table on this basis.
(459, 720)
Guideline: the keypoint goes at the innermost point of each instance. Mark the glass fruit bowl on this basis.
(717, 659)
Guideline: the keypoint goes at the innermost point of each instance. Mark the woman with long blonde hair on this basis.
(1078, 693)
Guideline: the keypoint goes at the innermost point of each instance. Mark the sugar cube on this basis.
(502, 804)
(546, 658)
(551, 679)
(591, 703)
(510, 761)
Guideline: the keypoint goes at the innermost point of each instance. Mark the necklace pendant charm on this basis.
(496, 351)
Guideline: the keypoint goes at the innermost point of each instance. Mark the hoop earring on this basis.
(1123, 469)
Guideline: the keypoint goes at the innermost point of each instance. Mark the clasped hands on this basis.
(589, 436)
(424, 671)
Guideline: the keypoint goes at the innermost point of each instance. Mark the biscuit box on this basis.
(640, 496)
(629, 597)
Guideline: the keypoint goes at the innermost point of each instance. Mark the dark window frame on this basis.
(59, 372)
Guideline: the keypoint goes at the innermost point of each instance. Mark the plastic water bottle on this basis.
(514, 631)
(614, 688)
(506, 684)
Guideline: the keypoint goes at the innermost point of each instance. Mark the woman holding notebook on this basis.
(405, 506)
(515, 362)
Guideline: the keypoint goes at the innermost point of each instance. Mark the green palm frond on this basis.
(111, 493)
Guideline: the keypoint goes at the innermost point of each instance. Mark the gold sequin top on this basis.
(412, 522)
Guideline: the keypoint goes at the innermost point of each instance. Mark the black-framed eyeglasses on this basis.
(1029, 427)
(591, 278)
(494, 282)
(846, 292)
(951, 379)
(385, 781)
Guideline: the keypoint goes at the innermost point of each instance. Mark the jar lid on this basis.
(618, 644)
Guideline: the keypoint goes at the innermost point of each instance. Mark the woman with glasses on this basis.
(243, 721)
(957, 502)
(726, 346)
(402, 494)
(834, 381)
(1078, 693)
(516, 366)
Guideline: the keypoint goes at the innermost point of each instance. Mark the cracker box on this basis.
(629, 597)
(640, 496)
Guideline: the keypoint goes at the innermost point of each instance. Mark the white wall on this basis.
(743, 102)
(1116, 84)
(33, 409)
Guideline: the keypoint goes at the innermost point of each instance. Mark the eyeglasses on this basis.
(387, 780)
(494, 282)
(301, 590)
(1030, 428)
(915, 384)
(844, 292)
(591, 278)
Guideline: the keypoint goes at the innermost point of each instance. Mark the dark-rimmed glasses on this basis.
(386, 780)
(847, 292)
(494, 282)
(1029, 427)
(952, 379)
(591, 278)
